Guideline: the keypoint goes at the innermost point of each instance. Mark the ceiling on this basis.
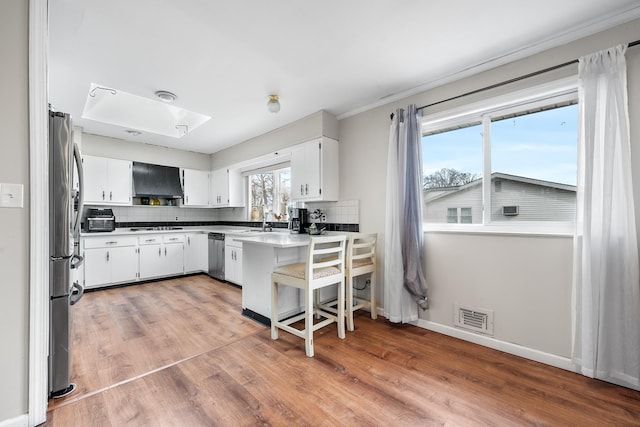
(223, 58)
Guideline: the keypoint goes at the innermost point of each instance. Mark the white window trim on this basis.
(558, 91)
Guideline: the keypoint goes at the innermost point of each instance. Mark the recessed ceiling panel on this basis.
(116, 107)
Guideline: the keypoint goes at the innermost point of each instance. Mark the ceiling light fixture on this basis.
(274, 103)
(132, 132)
(166, 96)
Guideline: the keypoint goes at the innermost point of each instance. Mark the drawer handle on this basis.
(150, 240)
(173, 239)
(111, 243)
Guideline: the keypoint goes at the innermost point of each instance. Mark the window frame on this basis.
(556, 92)
(274, 168)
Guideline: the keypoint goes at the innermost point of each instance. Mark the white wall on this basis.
(103, 146)
(14, 222)
(525, 280)
(313, 126)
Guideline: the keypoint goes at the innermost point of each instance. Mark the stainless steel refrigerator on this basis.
(65, 211)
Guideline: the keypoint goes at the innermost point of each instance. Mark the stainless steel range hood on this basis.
(156, 181)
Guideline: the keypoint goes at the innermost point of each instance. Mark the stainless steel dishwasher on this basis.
(216, 255)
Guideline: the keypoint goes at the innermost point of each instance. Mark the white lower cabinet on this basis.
(161, 255)
(233, 261)
(109, 260)
(195, 252)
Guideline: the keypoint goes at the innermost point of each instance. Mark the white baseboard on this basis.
(21, 421)
(507, 347)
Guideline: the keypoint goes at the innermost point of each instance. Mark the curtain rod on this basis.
(506, 82)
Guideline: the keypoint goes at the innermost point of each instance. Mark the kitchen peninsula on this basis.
(263, 253)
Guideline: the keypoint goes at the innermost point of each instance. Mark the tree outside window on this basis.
(270, 192)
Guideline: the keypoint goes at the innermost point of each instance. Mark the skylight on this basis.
(116, 107)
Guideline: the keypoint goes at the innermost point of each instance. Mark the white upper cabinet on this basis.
(227, 188)
(195, 184)
(106, 181)
(314, 170)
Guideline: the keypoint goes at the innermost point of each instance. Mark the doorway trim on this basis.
(39, 212)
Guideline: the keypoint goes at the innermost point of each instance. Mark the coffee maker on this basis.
(297, 220)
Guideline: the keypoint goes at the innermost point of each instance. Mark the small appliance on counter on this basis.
(100, 220)
(297, 220)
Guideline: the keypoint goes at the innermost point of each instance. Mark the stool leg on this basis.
(340, 319)
(349, 292)
(274, 310)
(372, 297)
(316, 303)
(308, 321)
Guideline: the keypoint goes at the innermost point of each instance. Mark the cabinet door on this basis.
(95, 179)
(305, 171)
(195, 253)
(238, 266)
(173, 262)
(220, 187)
(97, 267)
(233, 263)
(229, 264)
(124, 264)
(202, 247)
(236, 188)
(195, 185)
(119, 179)
(151, 261)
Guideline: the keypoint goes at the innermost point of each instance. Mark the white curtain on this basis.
(404, 284)
(606, 339)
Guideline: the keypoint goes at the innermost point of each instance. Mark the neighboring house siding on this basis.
(471, 197)
(535, 202)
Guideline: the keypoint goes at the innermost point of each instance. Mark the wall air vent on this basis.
(473, 319)
(510, 210)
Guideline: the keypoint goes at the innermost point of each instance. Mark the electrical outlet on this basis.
(367, 282)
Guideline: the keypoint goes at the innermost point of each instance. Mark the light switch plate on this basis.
(11, 195)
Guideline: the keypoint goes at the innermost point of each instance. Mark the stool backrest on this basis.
(326, 251)
(361, 248)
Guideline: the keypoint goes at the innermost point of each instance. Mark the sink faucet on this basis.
(265, 224)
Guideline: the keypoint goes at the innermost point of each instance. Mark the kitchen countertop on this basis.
(196, 229)
(281, 240)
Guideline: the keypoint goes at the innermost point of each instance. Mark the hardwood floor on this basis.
(178, 353)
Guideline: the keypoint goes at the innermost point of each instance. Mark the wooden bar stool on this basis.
(324, 267)
(360, 260)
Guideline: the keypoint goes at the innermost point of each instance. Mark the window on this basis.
(452, 215)
(523, 145)
(270, 191)
(459, 215)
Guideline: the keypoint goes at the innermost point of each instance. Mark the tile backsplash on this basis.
(341, 212)
(163, 214)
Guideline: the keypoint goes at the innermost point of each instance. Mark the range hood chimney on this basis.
(156, 181)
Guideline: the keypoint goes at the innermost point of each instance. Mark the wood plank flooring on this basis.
(178, 353)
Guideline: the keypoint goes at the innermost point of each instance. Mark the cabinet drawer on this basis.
(173, 238)
(108, 241)
(150, 239)
(230, 242)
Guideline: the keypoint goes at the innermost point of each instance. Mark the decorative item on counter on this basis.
(317, 216)
(144, 200)
(313, 229)
(155, 202)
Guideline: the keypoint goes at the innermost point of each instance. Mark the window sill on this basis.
(533, 229)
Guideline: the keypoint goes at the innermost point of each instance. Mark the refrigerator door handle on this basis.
(75, 297)
(79, 260)
(78, 159)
